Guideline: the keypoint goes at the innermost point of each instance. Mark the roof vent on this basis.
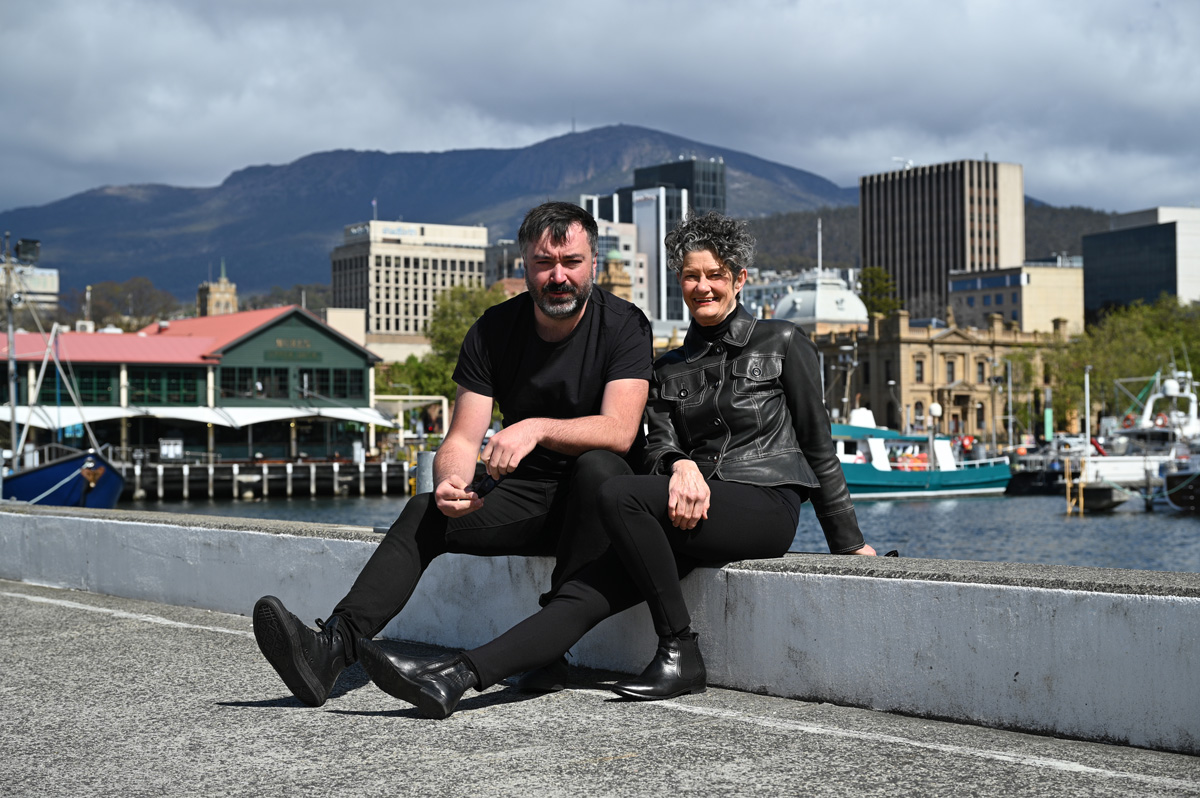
(85, 326)
(163, 324)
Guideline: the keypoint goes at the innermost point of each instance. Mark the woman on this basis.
(738, 439)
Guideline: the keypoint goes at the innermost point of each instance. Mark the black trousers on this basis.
(521, 516)
(648, 558)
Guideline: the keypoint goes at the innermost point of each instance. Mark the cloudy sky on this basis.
(1098, 99)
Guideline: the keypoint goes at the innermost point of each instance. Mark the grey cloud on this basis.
(1096, 99)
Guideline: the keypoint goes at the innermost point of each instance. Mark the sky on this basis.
(1099, 100)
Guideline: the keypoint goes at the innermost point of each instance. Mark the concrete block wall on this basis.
(1089, 653)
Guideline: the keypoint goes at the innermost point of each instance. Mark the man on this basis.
(569, 366)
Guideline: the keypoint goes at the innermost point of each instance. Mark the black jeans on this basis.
(521, 516)
(648, 558)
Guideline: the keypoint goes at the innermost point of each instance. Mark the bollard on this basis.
(425, 472)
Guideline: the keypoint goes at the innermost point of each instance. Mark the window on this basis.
(987, 300)
(1014, 316)
(341, 384)
(919, 371)
(999, 299)
(970, 301)
(1014, 298)
(979, 372)
(949, 370)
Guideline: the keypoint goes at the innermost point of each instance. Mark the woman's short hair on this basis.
(725, 237)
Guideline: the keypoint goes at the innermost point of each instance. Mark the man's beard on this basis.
(560, 307)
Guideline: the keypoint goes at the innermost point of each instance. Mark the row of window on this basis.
(272, 383)
(988, 299)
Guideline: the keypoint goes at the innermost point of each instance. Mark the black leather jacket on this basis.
(747, 408)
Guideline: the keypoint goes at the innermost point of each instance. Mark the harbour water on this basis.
(1024, 529)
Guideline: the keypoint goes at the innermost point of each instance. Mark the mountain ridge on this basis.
(276, 224)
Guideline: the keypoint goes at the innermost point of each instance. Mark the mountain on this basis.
(276, 225)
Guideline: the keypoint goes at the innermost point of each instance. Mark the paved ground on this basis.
(105, 696)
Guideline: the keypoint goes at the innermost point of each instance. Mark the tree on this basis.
(130, 305)
(1133, 341)
(878, 291)
(313, 296)
(456, 310)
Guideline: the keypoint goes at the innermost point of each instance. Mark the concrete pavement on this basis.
(108, 696)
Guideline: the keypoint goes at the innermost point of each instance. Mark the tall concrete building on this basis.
(1144, 255)
(396, 271)
(922, 223)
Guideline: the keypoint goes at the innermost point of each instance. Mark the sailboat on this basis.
(72, 478)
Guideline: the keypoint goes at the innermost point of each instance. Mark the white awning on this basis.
(363, 415)
(44, 417)
(245, 416)
(203, 415)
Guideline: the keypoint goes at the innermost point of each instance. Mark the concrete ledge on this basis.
(1096, 654)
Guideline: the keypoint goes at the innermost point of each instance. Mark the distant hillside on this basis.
(789, 240)
(275, 225)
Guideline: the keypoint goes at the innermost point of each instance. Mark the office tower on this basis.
(922, 223)
(396, 271)
(1144, 255)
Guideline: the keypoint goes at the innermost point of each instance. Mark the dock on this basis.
(264, 479)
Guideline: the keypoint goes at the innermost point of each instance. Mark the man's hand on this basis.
(687, 496)
(506, 448)
(454, 499)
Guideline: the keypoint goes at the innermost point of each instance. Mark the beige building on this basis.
(217, 299)
(922, 223)
(899, 370)
(395, 271)
(1031, 296)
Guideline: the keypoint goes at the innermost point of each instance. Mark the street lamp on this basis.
(849, 359)
(891, 384)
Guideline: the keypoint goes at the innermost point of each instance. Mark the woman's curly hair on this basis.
(724, 237)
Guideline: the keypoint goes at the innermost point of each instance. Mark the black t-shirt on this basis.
(503, 357)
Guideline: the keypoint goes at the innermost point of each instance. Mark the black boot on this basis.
(433, 685)
(677, 669)
(546, 679)
(308, 662)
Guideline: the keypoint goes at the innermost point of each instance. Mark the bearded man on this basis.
(569, 366)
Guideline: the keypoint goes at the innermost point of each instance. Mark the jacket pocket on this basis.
(685, 389)
(756, 373)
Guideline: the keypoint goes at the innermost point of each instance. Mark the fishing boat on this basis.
(881, 463)
(69, 477)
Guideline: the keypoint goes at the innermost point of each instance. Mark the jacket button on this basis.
(683, 391)
(716, 422)
(718, 349)
(755, 372)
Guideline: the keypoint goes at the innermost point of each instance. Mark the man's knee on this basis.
(597, 466)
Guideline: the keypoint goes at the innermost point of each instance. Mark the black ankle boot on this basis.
(433, 685)
(308, 662)
(677, 669)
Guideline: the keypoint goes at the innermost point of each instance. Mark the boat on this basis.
(70, 477)
(84, 479)
(881, 463)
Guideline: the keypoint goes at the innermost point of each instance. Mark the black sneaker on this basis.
(308, 662)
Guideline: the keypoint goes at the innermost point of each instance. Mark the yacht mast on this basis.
(12, 357)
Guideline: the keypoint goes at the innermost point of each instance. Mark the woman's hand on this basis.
(687, 496)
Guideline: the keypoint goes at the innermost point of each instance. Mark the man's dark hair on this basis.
(557, 217)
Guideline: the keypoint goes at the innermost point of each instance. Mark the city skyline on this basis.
(1096, 100)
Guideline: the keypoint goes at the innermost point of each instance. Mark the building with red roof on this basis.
(272, 383)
